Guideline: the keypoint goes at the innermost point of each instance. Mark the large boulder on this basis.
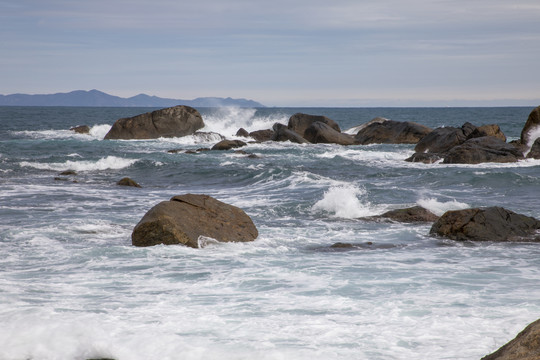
(525, 346)
(300, 122)
(443, 139)
(283, 133)
(319, 132)
(408, 215)
(488, 224)
(533, 123)
(488, 130)
(175, 121)
(481, 150)
(228, 145)
(262, 135)
(185, 218)
(392, 132)
(534, 153)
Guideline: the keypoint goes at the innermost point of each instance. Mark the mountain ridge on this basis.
(99, 98)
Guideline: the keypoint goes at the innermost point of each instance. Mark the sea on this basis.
(73, 287)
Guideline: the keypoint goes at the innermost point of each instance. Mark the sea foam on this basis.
(344, 202)
(106, 163)
(438, 207)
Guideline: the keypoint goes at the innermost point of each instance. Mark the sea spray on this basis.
(228, 120)
(344, 201)
(438, 207)
(106, 163)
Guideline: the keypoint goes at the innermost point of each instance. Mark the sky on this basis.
(279, 52)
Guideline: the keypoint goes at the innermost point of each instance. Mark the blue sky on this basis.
(280, 53)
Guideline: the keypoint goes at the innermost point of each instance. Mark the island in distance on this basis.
(99, 98)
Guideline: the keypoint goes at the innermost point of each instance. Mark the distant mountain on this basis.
(99, 98)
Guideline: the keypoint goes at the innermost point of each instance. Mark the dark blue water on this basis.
(73, 287)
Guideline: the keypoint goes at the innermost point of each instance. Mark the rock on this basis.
(262, 135)
(481, 150)
(425, 158)
(392, 132)
(128, 182)
(532, 124)
(300, 122)
(185, 218)
(242, 132)
(408, 215)
(283, 133)
(488, 130)
(443, 139)
(228, 144)
(319, 132)
(488, 224)
(355, 129)
(534, 153)
(208, 136)
(68, 172)
(82, 129)
(525, 346)
(170, 122)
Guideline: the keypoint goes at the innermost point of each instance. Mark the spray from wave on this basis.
(106, 163)
(438, 207)
(344, 201)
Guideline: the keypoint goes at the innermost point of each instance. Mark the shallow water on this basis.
(73, 287)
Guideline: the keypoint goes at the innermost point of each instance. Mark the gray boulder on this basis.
(525, 346)
(128, 182)
(319, 132)
(170, 122)
(534, 153)
(185, 218)
(488, 130)
(481, 150)
(392, 132)
(300, 122)
(283, 133)
(408, 215)
(488, 224)
(228, 145)
(82, 129)
(533, 122)
(443, 139)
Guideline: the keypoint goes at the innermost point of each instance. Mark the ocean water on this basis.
(73, 287)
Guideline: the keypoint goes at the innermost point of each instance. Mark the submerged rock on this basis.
(425, 158)
(185, 218)
(228, 145)
(170, 122)
(408, 215)
(82, 129)
(525, 346)
(488, 224)
(128, 182)
(392, 132)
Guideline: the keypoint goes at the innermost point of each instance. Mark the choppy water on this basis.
(73, 287)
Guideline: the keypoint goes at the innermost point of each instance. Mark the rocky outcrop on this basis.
(128, 182)
(488, 130)
(185, 218)
(262, 135)
(392, 132)
(425, 158)
(170, 122)
(533, 123)
(283, 133)
(534, 153)
(443, 139)
(82, 129)
(300, 122)
(525, 346)
(408, 215)
(228, 145)
(488, 224)
(319, 132)
(482, 150)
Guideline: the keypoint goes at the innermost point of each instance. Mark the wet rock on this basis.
(228, 145)
(319, 132)
(487, 224)
(283, 133)
(128, 182)
(525, 346)
(185, 218)
(68, 172)
(82, 129)
(262, 135)
(355, 129)
(392, 132)
(482, 150)
(300, 122)
(443, 139)
(534, 153)
(408, 215)
(170, 122)
(425, 158)
(532, 124)
(242, 132)
(488, 130)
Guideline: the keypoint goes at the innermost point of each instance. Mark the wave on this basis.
(438, 207)
(106, 163)
(346, 201)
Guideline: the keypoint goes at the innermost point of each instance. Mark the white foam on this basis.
(343, 201)
(227, 120)
(439, 207)
(106, 163)
(534, 134)
(99, 131)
